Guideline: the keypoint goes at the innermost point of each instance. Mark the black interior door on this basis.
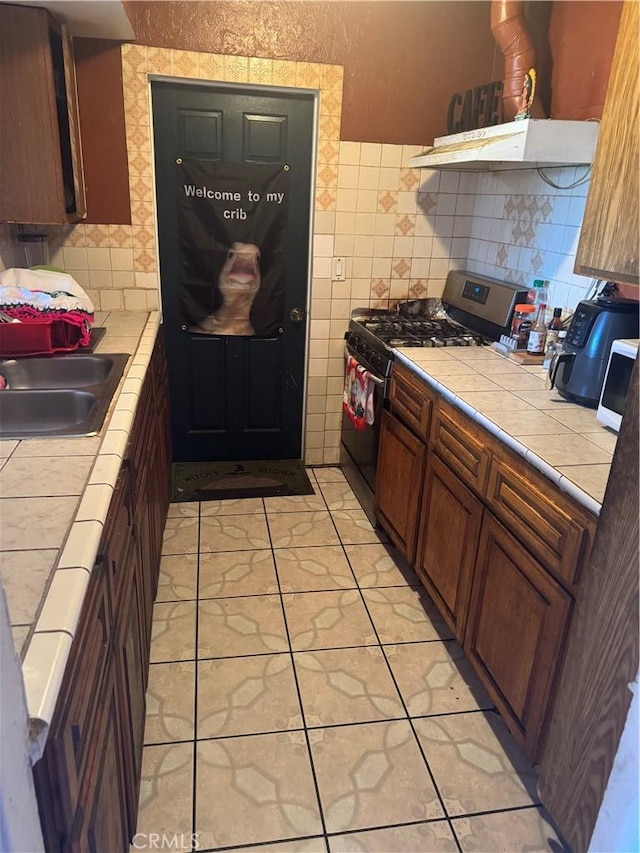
(234, 396)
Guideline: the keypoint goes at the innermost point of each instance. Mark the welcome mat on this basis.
(212, 481)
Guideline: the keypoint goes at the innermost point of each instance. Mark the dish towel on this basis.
(357, 400)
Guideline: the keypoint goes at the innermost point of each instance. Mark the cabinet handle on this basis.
(75, 737)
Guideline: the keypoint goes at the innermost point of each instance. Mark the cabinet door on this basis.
(608, 246)
(399, 483)
(515, 630)
(449, 533)
(101, 823)
(130, 673)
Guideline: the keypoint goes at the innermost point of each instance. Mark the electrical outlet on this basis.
(339, 269)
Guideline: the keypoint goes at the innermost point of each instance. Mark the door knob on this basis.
(297, 314)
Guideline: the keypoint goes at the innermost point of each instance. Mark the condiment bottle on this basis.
(554, 327)
(538, 333)
(521, 323)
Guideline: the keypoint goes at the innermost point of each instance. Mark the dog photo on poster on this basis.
(231, 225)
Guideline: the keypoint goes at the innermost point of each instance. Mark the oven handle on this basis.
(375, 379)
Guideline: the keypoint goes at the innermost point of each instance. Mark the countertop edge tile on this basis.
(572, 489)
(63, 604)
(43, 669)
(81, 547)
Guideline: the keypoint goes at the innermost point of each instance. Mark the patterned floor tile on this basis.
(339, 496)
(170, 702)
(232, 573)
(327, 620)
(239, 696)
(240, 506)
(372, 775)
(468, 756)
(355, 528)
(435, 678)
(301, 845)
(165, 805)
(346, 686)
(180, 536)
(178, 576)
(228, 627)
(308, 569)
(403, 615)
(173, 632)
(328, 475)
(233, 533)
(434, 837)
(302, 529)
(184, 509)
(503, 832)
(296, 503)
(380, 565)
(252, 789)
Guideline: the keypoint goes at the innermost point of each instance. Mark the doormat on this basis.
(213, 481)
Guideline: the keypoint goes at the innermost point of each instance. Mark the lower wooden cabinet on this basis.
(399, 483)
(88, 780)
(517, 619)
(449, 533)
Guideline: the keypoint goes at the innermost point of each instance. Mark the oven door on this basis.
(359, 447)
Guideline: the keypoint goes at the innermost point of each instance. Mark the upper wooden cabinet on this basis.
(608, 246)
(41, 178)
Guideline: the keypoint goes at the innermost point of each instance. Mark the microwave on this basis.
(616, 382)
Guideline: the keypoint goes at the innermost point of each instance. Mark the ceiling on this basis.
(91, 18)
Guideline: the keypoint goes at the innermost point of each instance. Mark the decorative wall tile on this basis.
(329, 127)
(284, 72)
(97, 236)
(143, 237)
(260, 70)
(331, 76)
(159, 60)
(328, 152)
(405, 224)
(409, 179)
(74, 236)
(144, 261)
(307, 75)
(387, 201)
(325, 199)
(142, 213)
(331, 103)
(211, 66)
(236, 69)
(120, 236)
(138, 138)
(327, 176)
(185, 63)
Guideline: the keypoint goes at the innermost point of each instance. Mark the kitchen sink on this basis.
(62, 395)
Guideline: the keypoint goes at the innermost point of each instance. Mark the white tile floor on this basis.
(304, 695)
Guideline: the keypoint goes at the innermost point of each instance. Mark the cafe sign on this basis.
(479, 107)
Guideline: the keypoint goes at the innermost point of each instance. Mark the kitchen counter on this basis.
(54, 498)
(562, 440)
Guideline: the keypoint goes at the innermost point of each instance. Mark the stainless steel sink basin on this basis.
(62, 395)
(57, 372)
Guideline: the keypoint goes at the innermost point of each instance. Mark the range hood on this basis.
(524, 144)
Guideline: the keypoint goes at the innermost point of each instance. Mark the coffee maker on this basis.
(578, 371)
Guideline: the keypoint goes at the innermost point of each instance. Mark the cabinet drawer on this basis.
(462, 449)
(410, 400)
(548, 530)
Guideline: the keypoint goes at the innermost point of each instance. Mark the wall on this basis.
(524, 229)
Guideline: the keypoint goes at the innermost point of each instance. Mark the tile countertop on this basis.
(562, 440)
(54, 498)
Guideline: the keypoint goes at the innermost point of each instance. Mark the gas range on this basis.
(474, 311)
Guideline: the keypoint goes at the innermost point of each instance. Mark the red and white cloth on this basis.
(357, 400)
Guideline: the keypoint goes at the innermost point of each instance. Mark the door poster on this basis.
(231, 229)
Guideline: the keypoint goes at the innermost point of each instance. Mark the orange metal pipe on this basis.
(511, 32)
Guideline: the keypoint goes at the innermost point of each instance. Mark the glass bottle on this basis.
(538, 333)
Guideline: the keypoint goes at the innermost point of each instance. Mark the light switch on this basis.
(339, 269)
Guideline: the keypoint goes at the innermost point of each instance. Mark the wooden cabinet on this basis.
(88, 780)
(449, 533)
(399, 483)
(608, 245)
(515, 630)
(499, 547)
(41, 177)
